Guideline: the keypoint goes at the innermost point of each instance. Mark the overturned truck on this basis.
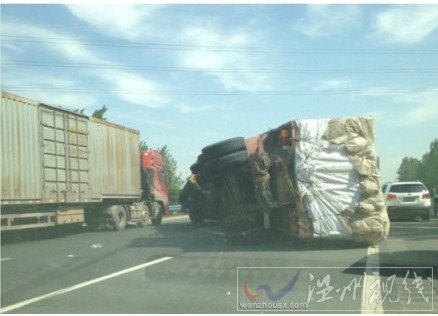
(306, 178)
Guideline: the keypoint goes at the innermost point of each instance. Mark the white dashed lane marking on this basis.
(371, 295)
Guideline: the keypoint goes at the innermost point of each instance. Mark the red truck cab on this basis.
(152, 179)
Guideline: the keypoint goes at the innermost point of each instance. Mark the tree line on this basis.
(424, 170)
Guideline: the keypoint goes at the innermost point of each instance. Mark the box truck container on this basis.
(62, 167)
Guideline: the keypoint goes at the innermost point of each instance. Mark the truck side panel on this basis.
(115, 161)
(65, 156)
(50, 155)
(21, 161)
(44, 153)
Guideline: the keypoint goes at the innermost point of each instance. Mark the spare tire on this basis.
(227, 162)
(224, 147)
(197, 217)
(195, 168)
(185, 192)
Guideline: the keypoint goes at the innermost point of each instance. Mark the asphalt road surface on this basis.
(178, 268)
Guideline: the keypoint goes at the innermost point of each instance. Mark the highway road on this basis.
(179, 268)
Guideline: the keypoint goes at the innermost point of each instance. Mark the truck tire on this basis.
(195, 168)
(224, 148)
(197, 218)
(227, 162)
(426, 217)
(186, 193)
(200, 158)
(91, 217)
(142, 223)
(159, 216)
(119, 217)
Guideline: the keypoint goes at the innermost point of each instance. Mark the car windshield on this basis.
(406, 188)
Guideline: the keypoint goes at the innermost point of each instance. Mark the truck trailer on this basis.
(62, 167)
(305, 179)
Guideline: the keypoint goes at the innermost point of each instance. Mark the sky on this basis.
(189, 75)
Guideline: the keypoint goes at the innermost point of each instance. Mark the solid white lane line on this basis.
(80, 285)
(371, 291)
(5, 259)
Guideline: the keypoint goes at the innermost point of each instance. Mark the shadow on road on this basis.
(16, 236)
(62, 231)
(425, 233)
(400, 263)
(210, 237)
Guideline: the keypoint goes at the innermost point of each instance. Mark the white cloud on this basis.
(34, 85)
(68, 100)
(138, 117)
(29, 78)
(126, 85)
(324, 20)
(69, 48)
(421, 107)
(333, 84)
(134, 88)
(140, 22)
(220, 63)
(186, 109)
(420, 113)
(9, 46)
(407, 24)
(128, 21)
(376, 92)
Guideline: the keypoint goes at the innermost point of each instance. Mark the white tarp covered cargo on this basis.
(338, 179)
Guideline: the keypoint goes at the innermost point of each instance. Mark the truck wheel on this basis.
(159, 216)
(187, 193)
(224, 147)
(227, 162)
(119, 217)
(195, 168)
(197, 218)
(91, 217)
(142, 223)
(426, 217)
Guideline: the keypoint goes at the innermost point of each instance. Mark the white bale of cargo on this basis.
(338, 179)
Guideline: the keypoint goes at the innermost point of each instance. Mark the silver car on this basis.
(407, 200)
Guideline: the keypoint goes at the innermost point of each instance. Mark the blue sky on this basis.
(190, 75)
